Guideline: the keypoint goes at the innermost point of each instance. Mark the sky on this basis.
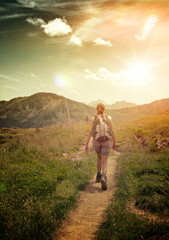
(85, 50)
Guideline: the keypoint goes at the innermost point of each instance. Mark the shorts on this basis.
(102, 147)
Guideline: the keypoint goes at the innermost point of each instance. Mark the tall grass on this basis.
(39, 181)
(143, 182)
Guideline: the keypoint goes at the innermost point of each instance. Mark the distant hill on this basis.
(94, 103)
(120, 105)
(45, 109)
(153, 108)
(42, 109)
(116, 105)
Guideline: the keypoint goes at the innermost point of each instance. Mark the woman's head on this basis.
(100, 108)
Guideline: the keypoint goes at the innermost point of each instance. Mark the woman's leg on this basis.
(99, 161)
(104, 171)
(98, 176)
(105, 150)
(104, 164)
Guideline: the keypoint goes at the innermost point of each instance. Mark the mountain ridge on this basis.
(45, 109)
(116, 105)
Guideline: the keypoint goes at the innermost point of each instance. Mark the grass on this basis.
(39, 182)
(120, 223)
(142, 180)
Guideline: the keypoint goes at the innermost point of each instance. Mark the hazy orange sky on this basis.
(85, 50)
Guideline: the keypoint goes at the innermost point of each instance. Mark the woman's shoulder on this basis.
(109, 117)
(93, 118)
(97, 116)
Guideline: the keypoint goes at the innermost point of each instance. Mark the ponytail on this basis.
(100, 108)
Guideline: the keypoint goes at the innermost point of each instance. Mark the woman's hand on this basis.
(86, 148)
(114, 147)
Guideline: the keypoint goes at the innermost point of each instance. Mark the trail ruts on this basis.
(83, 221)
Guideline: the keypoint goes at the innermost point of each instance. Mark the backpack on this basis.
(101, 130)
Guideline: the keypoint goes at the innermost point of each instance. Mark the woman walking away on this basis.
(101, 130)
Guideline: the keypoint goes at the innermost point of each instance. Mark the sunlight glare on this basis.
(138, 74)
(60, 81)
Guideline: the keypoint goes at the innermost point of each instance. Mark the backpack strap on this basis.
(94, 126)
(108, 124)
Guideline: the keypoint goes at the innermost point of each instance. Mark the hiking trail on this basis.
(83, 221)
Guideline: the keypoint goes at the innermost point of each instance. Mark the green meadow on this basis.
(40, 181)
(142, 180)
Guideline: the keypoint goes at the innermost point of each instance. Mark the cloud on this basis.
(9, 78)
(33, 75)
(135, 76)
(100, 41)
(117, 25)
(102, 74)
(56, 27)
(27, 3)
(12, 16)
(76, 41)
(150, 24)
(33, 34)
(9, 87)
(35, 21)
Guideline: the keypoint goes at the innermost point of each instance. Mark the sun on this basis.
(138, 74)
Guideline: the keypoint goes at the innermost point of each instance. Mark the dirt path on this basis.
(83, 221)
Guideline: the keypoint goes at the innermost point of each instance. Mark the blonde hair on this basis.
(100, 108)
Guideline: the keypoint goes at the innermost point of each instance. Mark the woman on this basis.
(101, 144)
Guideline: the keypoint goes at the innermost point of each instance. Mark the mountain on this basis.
(153, 108)
(44, 109)
(94, 103)
(116, 105)
(120, 105)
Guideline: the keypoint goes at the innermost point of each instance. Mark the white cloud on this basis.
(9, 78)
(15, 15)
(33, 34)
(111, 24)
(90, 76)
(27, 3)
(10, 87)
(33, 75)
(35, 21)
(102, 74)
(136, 76)
(150, 24)
(75, 92)
(76, 41)
(100, 41)
(56, 27)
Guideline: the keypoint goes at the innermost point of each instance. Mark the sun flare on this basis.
(60, 81)
(139, 74)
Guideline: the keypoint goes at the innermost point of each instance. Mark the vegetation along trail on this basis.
(83, 221)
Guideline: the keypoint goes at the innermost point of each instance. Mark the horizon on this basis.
(87, 103)
(98, 49)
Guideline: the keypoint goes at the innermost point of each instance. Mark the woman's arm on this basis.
(113, 137)
(89, 136)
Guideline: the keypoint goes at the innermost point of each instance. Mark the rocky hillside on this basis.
(153, 108)
(120, 105)
(42, 109)
(45, 109)
(116, 105)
